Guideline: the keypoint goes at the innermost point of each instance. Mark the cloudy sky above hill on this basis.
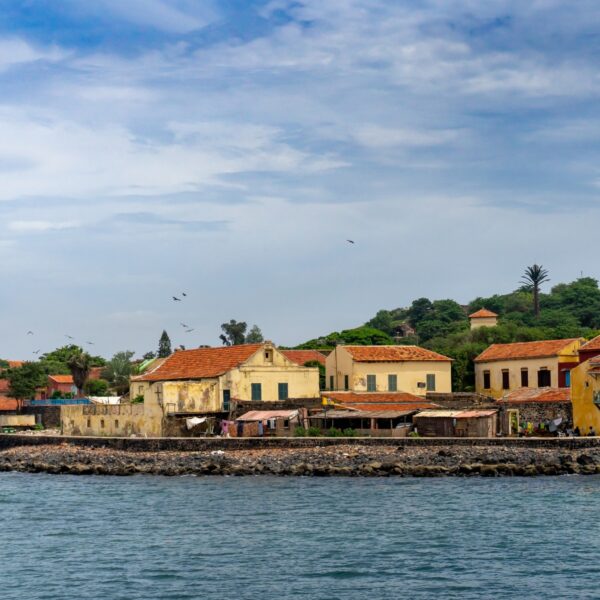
(228, 149)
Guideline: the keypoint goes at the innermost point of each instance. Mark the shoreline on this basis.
(348, 460)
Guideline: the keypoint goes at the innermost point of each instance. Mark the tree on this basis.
(56, 362)
(255, 335)
(164, 345)
(79, 365)
(96, 387)
(118, 370)
(24, 380)
(149, 355)
(532, 279)
(234, 333)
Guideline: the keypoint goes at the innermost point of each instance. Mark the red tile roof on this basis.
(61, 378)
(371, 406)
(366, 397)
(13, 364)
(200, 363)
(542, 349)
(484, 313)
(593, 344)
(8, 403)
(301, 357)
(393, 354)
(545, 394)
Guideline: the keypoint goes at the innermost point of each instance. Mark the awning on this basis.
(265, 415)
(363, 414)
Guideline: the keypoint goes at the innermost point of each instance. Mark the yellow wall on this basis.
(409, 373)
(121, 420)
(583, 386)
(484, 322)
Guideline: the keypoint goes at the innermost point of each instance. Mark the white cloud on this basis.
(15, 51)
(40, 226)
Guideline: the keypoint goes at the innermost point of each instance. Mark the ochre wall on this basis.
(583, 386)
(484, 322)
(409, 373)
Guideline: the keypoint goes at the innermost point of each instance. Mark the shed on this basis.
(456, 423)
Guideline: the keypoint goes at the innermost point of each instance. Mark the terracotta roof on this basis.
(393, 354)
(372, 406)
(483, 313)
(368, 397)
(455, 414)
(8, 403)
(301, 357)
(95, 373)
(517, 350)
(61, 378)
(13, 364)
(593, 344)
(545, 394)
(200, 363)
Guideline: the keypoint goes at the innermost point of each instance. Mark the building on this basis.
(585, 395)
(590, 349)
(205, 381)
(457, 423)
(301, 357)
(388, 369)
(483, 318)
(502, 368)
(59, 384)
(538, 410)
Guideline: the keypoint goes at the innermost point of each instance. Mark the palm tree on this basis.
(532, 279)
(79, 365)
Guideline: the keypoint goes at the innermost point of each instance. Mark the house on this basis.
(59, 384)
(585, 395)
(590, 349)
(483, 318)
(457, 423)
(204, 381)
(301, 357)
(536, 409)
(388, 369)
(502, 368)
(7, 403)
(385, 414)
(263, 423)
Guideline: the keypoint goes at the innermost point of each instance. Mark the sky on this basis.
(228, 149)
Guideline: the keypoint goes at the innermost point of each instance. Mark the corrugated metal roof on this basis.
(263, 415)
(456, 414)
(359, 414)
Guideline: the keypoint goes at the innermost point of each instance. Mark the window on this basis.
(89, 423)
(544, 377)
(371, 383)
(524, 378)
(117, 423)
(346, 382)
(487, 381)
(256, 391)
(393, 383)
(431, 382)
(268, 355)
(505, 379)
(282, 391)
(226, 400)
(101, 423)
(567, 378)
(331, 382)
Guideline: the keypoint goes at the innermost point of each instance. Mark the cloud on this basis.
(15, 51)
(40, 226)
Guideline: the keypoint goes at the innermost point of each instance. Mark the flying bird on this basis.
(36, 351)
(69, 336)
(176, 299)
(183, 294)
(183, 324)
(350, 241)
(30, 333)
(90, 343)
(189, 330)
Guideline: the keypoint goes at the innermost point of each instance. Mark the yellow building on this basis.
(483, 318)
(502, 368)
(585, 389)
(199, 382)
(388, 369)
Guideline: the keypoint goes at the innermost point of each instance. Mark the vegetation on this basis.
(57, 361)
(118, 370)
(79, 365)
(359, 336)
(96, 387)
(24, 380)
(164, 345)
(234, 333)
(255, 335)
(532, 279)
(139, 399)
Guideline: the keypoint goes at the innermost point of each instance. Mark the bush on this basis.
(299, 431)
(96, 387)
(349, 432)
(414, 434)
(334, 432)
(139, 399)
(313, 432)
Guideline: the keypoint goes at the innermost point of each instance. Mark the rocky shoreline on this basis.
(343, 460)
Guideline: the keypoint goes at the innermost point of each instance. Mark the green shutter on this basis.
(282, 389)
(226, 400)
(393, 383)
(371, 383)
(256, 392)
(431, 382)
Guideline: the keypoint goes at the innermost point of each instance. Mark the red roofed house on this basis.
(301, 357)
(63, 384)
(502, 368)
(388, 369)
(7, 403)
(483, 318)
(200, 382)
(590, 349)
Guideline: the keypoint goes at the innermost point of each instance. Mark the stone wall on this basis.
(203, 444)
(539, 412)
(47, 416)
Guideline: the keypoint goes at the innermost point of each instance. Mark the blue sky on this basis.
(228, 149)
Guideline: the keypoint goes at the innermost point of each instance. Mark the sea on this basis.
(89, 537)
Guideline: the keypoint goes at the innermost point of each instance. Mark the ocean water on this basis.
(68, 537)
